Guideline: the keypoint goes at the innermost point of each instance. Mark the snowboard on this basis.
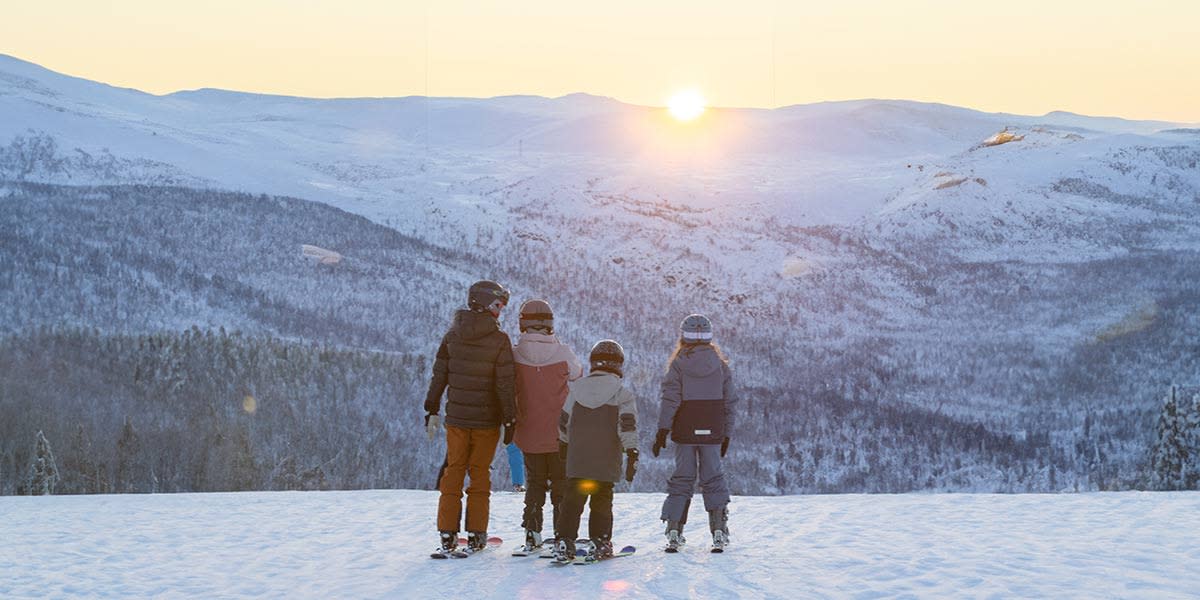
(463, 552)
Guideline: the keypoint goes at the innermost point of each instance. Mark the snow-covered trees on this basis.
(43, 471)
(892, 368)
(1175, 456)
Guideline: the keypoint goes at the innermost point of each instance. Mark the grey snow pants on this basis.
(692, 460)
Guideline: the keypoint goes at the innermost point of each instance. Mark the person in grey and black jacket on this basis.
(598, 424)
(697, 411)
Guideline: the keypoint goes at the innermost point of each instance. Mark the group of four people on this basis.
(573, 430)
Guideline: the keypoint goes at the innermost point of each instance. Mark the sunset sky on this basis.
(1098, 57)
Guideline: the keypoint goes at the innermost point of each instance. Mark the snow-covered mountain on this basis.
(1002, 281)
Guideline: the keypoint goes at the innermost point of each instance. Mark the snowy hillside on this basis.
(915, 296)
(374, 544)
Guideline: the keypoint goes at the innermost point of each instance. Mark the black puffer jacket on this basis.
(475, 361)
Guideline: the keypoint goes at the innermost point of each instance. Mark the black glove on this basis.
(631, 456)
(510, 429)
(724, 446)
(660, 441)
(562, 450)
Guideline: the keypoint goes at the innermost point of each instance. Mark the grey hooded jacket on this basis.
(598, 423)
(697, 397)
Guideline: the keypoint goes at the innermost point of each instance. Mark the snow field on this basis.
(375, 544)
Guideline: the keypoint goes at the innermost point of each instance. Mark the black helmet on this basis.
(536, 314)
(607, 355)
(484, 293)
(696, 329)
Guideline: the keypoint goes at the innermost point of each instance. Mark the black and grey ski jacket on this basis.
(598, 424)
(697, 397)
(475, 361)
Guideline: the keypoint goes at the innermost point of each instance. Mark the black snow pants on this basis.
(543, 472)
(600, 517)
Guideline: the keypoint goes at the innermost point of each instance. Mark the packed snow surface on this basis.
(375, 544)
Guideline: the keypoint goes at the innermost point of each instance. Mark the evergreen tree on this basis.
(128, 453)
(79, 467)
(1174, 452)
(43, 472)
(1191, 427)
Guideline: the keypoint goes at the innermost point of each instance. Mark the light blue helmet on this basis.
(696, 329)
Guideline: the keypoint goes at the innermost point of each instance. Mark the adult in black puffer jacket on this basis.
(475, 361)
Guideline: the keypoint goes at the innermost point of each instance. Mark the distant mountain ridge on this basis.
(916, 296)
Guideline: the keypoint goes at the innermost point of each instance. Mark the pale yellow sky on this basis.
(1099, 57)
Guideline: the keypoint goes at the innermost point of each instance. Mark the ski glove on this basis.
(432, 422)
(510, 429)
(631, 457)
(660, 441)
(724, 446)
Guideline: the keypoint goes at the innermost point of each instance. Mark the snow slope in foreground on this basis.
(374, 544)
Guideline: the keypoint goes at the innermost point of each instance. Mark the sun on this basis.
(686, 105)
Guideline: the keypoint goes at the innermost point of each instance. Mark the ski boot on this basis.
(565, 552)
(675, 537)
(550, 550)
(601, 549)
(447, 545)
(718, 522)
(476, 541)
(533, 541)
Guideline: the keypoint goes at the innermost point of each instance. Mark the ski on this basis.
(492, 543)
(589, 559)
(442, 553)
(524, 550)
(581, 546)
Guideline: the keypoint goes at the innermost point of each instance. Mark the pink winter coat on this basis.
(544, 365)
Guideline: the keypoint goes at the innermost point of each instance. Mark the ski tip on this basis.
(629, 549)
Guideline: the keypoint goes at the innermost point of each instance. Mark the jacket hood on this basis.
(596, 389)
(472, 325)
(701, 361)
(537, 349)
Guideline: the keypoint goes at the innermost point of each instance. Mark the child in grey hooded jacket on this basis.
(697, 411)
(598, 424)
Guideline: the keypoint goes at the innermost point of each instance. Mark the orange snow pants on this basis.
(468, 452)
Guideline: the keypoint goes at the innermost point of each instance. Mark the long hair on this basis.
(689, 348)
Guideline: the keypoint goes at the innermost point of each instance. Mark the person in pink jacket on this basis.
(544, 365)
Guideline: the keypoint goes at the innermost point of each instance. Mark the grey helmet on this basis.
(484, 293)
(607, 355)
(696, 329)
(536, 314)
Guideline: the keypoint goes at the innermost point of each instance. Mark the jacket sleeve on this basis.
(627, 422)
(574, 367)
(564, 420)
(671, 395)
(437, 385)
(505, 374)
(731, 399)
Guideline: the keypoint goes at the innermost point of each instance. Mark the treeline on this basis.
(209, 411)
